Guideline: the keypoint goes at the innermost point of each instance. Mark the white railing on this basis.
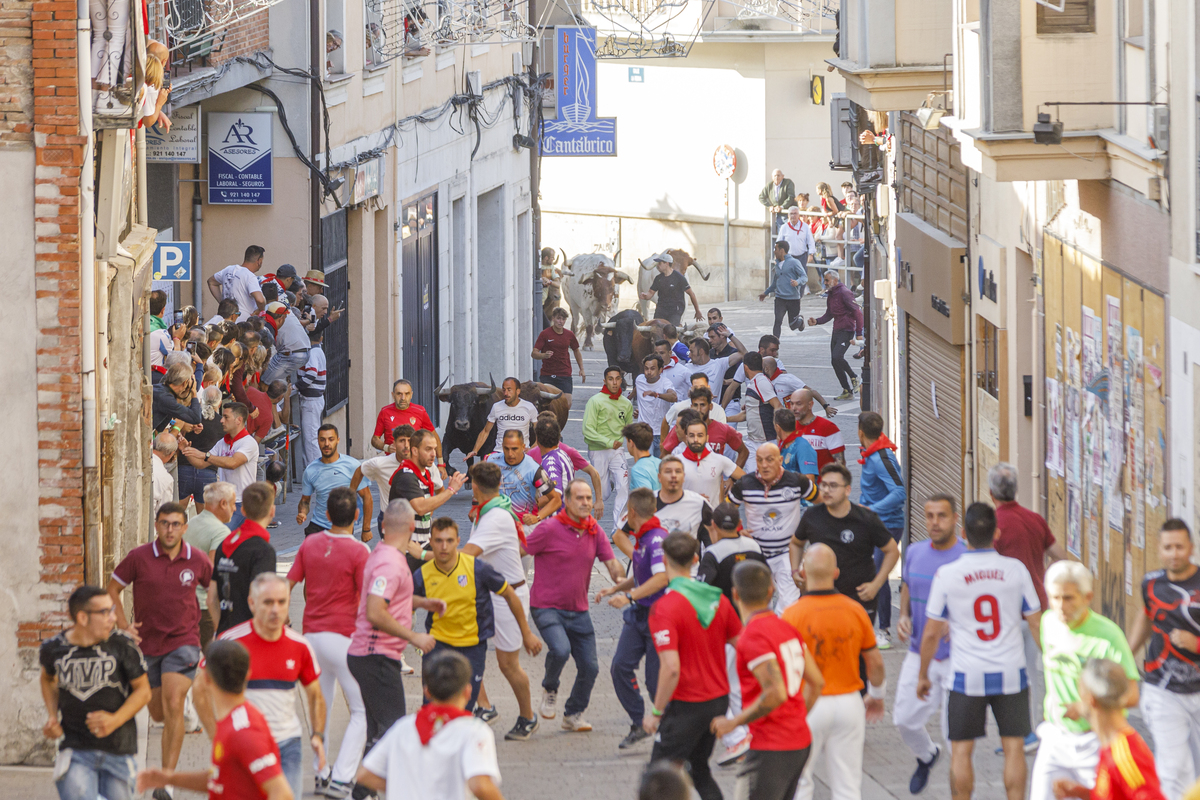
(407, 26)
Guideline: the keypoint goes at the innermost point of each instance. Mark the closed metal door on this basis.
(418, 256)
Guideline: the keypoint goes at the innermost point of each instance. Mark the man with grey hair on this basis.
(1072, 634)
(1024, 535)
(279, 658)
(162, 485)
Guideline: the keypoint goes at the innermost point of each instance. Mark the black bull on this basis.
(469, 407)
(624, 345)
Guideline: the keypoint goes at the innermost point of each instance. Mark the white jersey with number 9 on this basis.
(985, 597)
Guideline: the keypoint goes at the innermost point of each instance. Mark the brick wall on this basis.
(245, 38)
(16, 74)
(59, 147)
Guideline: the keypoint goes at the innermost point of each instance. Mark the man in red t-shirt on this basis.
(821, 432)
(780, 681)
(690, 626)
(403, 411)
(264, 403)
(553, 348)
(245, 759)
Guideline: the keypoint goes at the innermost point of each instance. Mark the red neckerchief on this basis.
(248, 530)
(242, 434)
(791, 437)
(778, 372)
(431, 719)
(420, 473)
(270, 320)
(795, 229)
(690, 456)
(588, 524)
(882, 443)
(648, 525)
(604, 391)
(159, 370)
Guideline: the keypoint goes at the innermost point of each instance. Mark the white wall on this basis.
(1184, 354)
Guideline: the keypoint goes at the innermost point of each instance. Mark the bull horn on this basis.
(483, 390)
(442, 394)
(493, 380)
(608, 326)
(616, 256)
(566, 261)
(550, 395)
(619, 276)
(645, 328)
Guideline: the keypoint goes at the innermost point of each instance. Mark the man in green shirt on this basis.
(605, 416)
(1071, 634)
(206, 531)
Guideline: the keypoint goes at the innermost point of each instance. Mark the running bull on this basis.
(591, 283)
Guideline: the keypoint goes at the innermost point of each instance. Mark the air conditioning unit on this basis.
(841, 138)
(1160, 127)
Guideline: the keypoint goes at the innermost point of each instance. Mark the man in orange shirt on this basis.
(837, 631)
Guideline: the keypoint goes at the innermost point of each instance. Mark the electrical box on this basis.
(1160, 127)
(841, 139)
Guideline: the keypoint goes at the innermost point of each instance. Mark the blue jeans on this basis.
(291, 760)
(94, 773)
(635, 642)
(656, 446)
(286, 367)
(237, 519)
(569, 634)
(883, 600)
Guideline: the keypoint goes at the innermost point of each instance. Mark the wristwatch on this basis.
(319, 735)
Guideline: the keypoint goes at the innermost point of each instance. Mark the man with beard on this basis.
(324, 475)
(706, 472)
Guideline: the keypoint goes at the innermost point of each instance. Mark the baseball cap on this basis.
(276, 308)
(663, 258)
(725, 516)
(285, 271)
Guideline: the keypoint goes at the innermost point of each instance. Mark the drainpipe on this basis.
(197, 246)
(87, 302)
(143, 206)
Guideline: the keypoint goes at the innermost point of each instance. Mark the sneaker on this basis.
(837, 262)
(273, 524)
(636, 734)
(405, 669)
(1031, 744)
(576, 723)
(320, 785)
(191, 720)
(797, 324)
(336, 790)
(862, 351)
(488, 715)
(883, 640)
(735, 752)
(162, 794)
(916, 784)
(548, 711)
(854, 384)
(846, 395)
(522, 730)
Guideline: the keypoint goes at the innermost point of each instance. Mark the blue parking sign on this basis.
(173, 261)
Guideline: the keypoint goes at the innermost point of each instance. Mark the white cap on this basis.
(663, 258)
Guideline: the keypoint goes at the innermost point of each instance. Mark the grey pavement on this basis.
(589, 766)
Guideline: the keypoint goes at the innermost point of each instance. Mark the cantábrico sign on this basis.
(239, 159)
(577, 131)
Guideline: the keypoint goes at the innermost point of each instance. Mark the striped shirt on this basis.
(773, 515)
(311, 378)
(275, 667)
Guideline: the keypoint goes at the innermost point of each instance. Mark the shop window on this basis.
(988, 355)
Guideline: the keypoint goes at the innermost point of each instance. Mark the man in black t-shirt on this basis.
(93, 682)
(671, 288)
(244, 554)
(728, 549)
(852, 532)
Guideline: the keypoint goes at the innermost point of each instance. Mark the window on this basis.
(335, 37)
(375, 42)
(1076, 16)
(987, 378)
(1134, 18)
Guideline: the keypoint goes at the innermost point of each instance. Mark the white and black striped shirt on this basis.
(310, 380)
(773, 515)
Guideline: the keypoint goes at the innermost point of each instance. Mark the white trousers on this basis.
(752, 463)
(735, 698)
(331, 657)
(910, 714)
(786, 591)
(614, 481)
(312, 409)
(839, 726)
(1062, 754)
(1174, 721)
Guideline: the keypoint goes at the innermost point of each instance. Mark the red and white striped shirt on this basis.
(274, 669)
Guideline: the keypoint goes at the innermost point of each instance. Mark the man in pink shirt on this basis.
(383, 624)
(563, 549)
(330, 564)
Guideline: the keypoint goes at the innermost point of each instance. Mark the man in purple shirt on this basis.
(843, 309)
(648, 583)
(563, 549)
(921, 562)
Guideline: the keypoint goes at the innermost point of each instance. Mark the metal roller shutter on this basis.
(935, 421)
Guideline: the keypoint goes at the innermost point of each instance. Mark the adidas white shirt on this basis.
(985, 597)
(508, 418)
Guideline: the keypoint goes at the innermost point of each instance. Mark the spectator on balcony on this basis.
(284, 279)
(153, 95)
(175, 400)
(333, 43)
(321, 316)
(110, 24)
(238, 282)
(314, 283)
(778, 196)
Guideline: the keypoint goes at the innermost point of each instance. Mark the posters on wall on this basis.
(1054, 427)
(1115, 452)
(1135, 450)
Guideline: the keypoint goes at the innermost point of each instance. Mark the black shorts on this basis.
(968, 715)
(182, 660)
(563, 383)
(476, 656)
(684, 729)
(770, 774)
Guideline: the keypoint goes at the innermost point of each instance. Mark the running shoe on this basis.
(883, 640)
(636, 734)
(735, 752)
(846, 395)
(854, 384)
(916, 784)
(549, 699)
(576, 723)
(862, 351)
(336, 790)
(320, 785)
(488, 715)
(797, 324)
(405, 669)
(161, 794)
(522, 730)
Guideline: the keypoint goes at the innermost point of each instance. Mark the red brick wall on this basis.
(59, 147)
(245, 38)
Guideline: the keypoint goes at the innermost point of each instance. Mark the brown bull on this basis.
(680, 259)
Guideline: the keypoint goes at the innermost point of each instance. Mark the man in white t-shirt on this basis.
(713, 368)
(510, 414)
(440, 752)
(235, 456)
(237, 282)
(759, 404)
(704, 471)
(674, 371)
(495, 538)
(980, 600)
(716, 413)
(652, 396)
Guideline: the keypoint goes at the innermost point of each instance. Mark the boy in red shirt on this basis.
(690, 625)
(780, 682)
(245, 759)
(1126, 769)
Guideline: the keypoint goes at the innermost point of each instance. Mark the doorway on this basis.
(418, 268)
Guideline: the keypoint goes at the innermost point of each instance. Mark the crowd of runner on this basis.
(755, 604)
